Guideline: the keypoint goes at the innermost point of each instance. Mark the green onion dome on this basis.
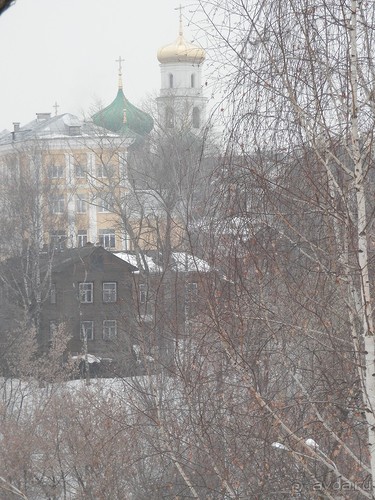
(121, 116)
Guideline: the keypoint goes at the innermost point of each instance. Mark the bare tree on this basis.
(295, 226)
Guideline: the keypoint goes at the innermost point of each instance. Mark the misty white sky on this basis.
(65, 51)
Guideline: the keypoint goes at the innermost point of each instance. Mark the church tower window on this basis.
(169, 117)
(170, 81)
(196, 117)
(192, 80)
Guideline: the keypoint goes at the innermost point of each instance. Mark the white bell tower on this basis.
(181, 103)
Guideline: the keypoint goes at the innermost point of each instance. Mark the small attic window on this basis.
(74, 130)
(170, 80)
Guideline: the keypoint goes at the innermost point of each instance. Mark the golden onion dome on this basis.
(181, 51)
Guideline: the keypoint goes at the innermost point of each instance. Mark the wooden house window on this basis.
(109, 329)
(52, 294)
(109, 291)
(86, 293)
(86, 330)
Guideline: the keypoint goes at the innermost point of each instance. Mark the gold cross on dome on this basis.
(120, 60)
(180, 9)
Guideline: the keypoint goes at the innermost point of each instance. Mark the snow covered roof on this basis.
(181, 262)
(132, 259)
(4, 132)
(185, 262)
(62, 126)
(145, 202)
(90, 358)
(61, 260)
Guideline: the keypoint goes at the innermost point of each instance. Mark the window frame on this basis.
(109, 293)
(58, 239)
(109, 329)
(101, 171)
(79, 171)
(86, 292)
(82, 235)
(104, 234)
(90, 324)
(81, 205)
(104, 206)
(53, 294)
(105, 170)
(56, 171)
(57, 204)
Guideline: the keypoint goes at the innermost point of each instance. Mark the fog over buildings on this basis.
(65, 52)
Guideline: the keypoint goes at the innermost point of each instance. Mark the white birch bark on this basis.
(363, 258)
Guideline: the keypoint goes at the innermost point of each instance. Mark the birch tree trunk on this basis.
(363, 254)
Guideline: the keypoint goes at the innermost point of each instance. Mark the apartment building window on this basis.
(56, 171)
(86, 293)
(101, 170)
(57, 204)
(105, 204)
(57, 240)
(52, 294)
(81, 205)
(82, 238)
(79, 170)
(142, 293)
(109, 329)
(104, 170)
(107, 238)
(109, 291)
(86, 330)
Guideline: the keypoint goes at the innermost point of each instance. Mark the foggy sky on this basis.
(65, 51)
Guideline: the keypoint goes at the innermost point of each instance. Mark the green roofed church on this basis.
(82, 167)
